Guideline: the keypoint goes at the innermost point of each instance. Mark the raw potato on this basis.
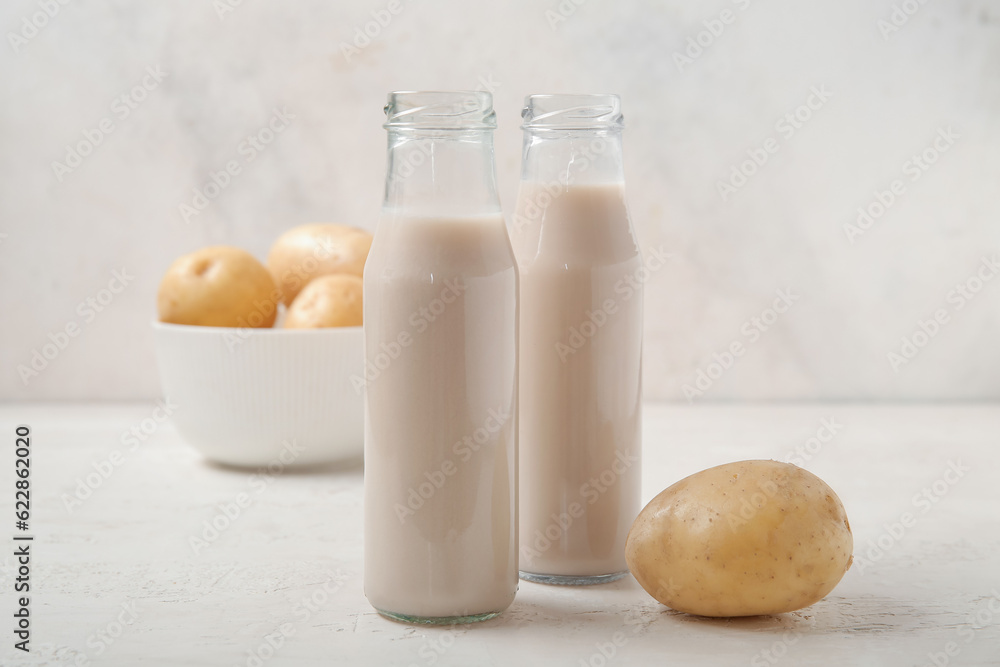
(327, 301)
(219, 286)
(741, 539)
(305, 252)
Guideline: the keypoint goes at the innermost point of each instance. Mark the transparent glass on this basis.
(580, 343)
(440, 318)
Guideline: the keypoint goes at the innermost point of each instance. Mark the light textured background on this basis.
(60, 241)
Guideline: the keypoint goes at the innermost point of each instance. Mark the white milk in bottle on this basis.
(440, 318)
(580, 343)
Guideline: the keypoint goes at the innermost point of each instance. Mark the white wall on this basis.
(686, 127)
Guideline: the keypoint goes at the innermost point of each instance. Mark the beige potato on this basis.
(327, 301)
(741, 539)
(305, 252)
(219, 286)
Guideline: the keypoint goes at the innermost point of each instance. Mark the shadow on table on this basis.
(625, 603)
(352, 465)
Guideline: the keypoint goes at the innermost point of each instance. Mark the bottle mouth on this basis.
(440, 110)
(572, 112)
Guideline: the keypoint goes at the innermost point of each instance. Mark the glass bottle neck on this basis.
(447, 172)
(573, 157)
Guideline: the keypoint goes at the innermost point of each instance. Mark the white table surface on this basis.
(936, 587)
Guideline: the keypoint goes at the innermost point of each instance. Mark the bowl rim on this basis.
(197, 329)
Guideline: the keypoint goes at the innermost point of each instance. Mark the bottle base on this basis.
(439, 620)
(571, 580)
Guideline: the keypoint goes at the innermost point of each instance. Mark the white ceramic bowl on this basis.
(253, 397)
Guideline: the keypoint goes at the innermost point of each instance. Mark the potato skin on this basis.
(327, 301)
(308, 251)
(741, 539)
(218, 286)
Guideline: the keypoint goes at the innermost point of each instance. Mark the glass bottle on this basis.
(580, 343)
(440, 318)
